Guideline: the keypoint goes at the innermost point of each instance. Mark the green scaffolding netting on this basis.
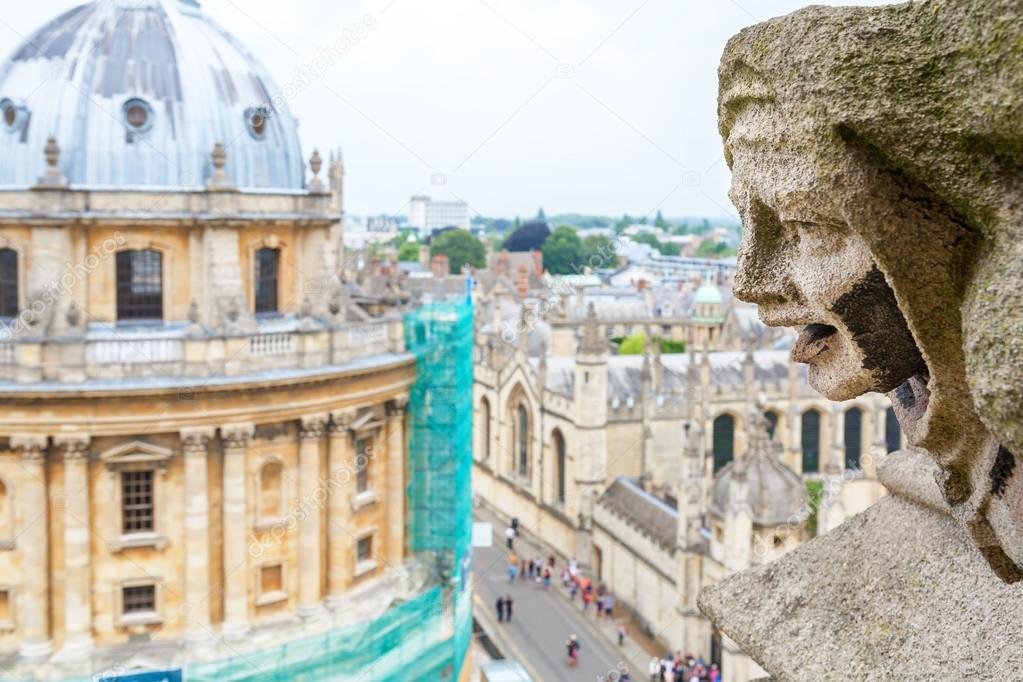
(424, 639)
(440, 438)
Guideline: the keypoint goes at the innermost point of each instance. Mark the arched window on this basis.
(270, 491)
(853, 436)
(266, 269)
(892, 431)
(8, 283)
(559, 463)
(810, 436)
(484, 430)
(724, 440)
(772, 422)
(140, 285)
(523, 440)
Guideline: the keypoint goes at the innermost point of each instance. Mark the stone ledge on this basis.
(897, 592)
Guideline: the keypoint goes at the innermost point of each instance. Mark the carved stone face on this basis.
(807, 269)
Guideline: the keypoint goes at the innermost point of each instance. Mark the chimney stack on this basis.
(439, 266)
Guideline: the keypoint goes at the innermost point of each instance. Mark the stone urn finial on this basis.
(52, 177)
(218, 181)
(316, 185)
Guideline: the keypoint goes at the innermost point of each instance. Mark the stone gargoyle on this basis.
(877, 162)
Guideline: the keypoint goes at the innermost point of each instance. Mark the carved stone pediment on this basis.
(136, 454)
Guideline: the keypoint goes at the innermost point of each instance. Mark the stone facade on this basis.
(245, 434)
(876, 175)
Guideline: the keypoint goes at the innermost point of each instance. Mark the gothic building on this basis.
(629, 462)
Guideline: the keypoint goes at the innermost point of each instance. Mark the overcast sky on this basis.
(591, 106)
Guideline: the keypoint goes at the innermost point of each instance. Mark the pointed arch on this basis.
(810, 437)
(723, 440)
(892, 431)
(558, 443)
(853, 433)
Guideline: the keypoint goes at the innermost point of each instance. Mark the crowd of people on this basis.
(675, 667)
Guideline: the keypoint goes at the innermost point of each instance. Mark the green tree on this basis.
(541, 217)
(529, 237)
(409, 251)
(659, 221)
(460, 247)
(632, 344)
(709, 249)
(599, 252)
(562, 251)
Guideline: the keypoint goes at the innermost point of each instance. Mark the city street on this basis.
(542, 622)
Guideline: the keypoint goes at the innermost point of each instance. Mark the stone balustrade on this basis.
(113, 352)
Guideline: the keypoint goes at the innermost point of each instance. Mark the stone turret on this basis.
(590, 406)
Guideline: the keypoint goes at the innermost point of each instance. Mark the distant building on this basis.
(429, 214)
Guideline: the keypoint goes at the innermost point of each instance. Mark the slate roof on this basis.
(650, 515)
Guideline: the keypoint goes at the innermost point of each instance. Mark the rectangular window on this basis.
(271, 579)
(137, 501)
(140, 285)
(361, 465)
(5, 606)
(365, 548)
(8, 283)
(267, 265)
(139, 599)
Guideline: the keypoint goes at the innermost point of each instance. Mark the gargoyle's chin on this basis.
(835, 364)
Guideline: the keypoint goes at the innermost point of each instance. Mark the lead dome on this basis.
(137, 94)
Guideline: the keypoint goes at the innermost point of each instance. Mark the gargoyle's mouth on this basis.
(813, 340)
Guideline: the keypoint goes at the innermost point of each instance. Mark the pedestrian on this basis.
(531, 567)
(575, 589)
(513, 569)
(715, 674)
(654, 669)
(500, 609)
(621, 634)
(547, 579)
(600, 606)
(587, 598)
(609, 604)
(509, 536)
(508, 608)
(522, 570)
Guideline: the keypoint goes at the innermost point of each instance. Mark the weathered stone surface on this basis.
(877, 157)
(896, 593)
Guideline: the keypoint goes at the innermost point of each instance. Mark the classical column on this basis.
(396, 481)
(310, 499)
(832, 511)
(341, 465)
(235, 550)
(33, 541)
(77, 555)
(194, 444)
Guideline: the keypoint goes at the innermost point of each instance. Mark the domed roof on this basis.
(774, 492)
(708, 293)
(137, 93)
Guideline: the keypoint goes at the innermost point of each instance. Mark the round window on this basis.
(138, 115)
(255, 119)
(11, 115)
